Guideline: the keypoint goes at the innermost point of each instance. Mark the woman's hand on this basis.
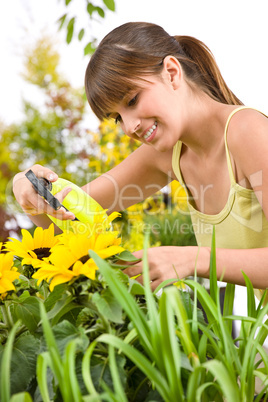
(32, 203)
(171, 262)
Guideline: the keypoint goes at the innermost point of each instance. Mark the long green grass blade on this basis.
(154, 327)
(193, 384)
(184, 331)
(6, 364)
(195, 333)
(56, 361)
(43, 362)
(226, 381)
(86, 370)
(120, 394)
(213, 270)
(144, 364)
(250, 297)
(228, 305)
(127, 302)
(21, 397)
(74, 393)
(170, 348)
(251, 348)
(206, 301)
(200, 390)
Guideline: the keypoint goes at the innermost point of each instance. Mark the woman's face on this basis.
(151, 114)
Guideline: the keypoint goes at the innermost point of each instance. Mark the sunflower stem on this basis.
(6, 316)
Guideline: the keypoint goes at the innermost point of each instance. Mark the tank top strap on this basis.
(229, 163)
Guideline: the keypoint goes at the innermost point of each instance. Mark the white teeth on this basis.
(149, 132)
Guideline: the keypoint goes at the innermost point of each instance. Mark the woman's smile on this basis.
(150, 134)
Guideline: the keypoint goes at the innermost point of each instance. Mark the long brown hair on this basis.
(136, 49)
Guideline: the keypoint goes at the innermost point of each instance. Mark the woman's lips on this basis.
(150, 134)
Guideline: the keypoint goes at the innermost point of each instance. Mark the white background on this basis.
(235, 30)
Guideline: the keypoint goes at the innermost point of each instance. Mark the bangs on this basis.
(112, 73)
(107, 92)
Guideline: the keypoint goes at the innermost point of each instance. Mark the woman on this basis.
(168, 93)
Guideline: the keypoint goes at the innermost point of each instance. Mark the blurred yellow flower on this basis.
(8, 273)
(33, 249)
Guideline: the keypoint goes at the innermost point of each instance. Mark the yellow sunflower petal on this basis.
(38, 237)
(57, 280)
(5, 286)
(110, 251)
(27, 240)
(89, 269)
(105, 240)
(48, 235)
(113, 216)
(78, 265)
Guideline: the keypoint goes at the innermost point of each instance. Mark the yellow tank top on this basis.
(241, 224)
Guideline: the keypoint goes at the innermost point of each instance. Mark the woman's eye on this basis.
(133, 101)
(117, 119)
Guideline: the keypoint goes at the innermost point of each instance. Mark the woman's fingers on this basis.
(31, 202)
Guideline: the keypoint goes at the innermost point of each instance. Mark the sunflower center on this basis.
(83, 259)
(42, 252)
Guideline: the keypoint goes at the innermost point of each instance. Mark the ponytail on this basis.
(200, 67)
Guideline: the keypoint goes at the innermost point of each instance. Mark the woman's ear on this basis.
(172, 71)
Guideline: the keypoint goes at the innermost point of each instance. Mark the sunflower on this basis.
(70, 257)
(33, 249)
(7, 273)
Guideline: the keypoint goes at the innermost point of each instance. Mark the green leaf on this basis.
(23, 361)
(21, 397)
(110, 4)
(127, 256)
(55, 296)
(81, 34)
(108, 306)
(61, 21)
(100, 11)
(90, 9)
(135, 288)
(89, 48)
(65, 332)
(67, 2)
(27, 311)
(70, 30)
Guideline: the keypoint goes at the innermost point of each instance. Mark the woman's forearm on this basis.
(231, 262)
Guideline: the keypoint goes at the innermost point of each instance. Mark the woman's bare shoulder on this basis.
(247, 126)
(248, 141)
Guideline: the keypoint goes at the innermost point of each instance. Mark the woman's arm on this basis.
(171, 262)
(141, 174)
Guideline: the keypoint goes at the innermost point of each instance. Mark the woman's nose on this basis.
(131, 128)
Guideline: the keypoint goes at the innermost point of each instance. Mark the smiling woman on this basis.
(168, 93)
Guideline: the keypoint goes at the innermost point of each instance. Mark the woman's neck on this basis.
(206, 118)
